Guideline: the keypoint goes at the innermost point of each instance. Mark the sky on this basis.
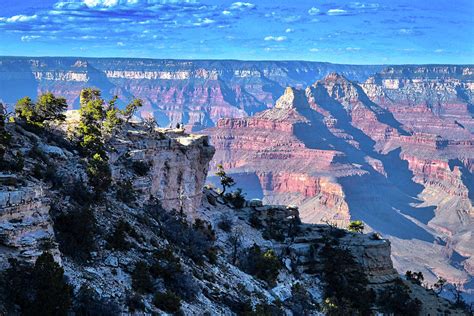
(339, 31)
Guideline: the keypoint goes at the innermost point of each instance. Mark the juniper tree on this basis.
(226, 181)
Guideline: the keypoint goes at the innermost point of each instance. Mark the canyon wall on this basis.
(196, 93)
(395, 151)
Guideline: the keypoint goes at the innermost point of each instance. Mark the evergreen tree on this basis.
(25, 109)
(47, 108)
(226, 181)
(131, 108)
(4, 135)
(53, 294)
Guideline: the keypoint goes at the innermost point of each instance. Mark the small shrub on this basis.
(165, 264)
(75, 231)
(167, 302)
(345, 283)
(141, 278)
(37, 171)
(236, 198)
(226, 181)
(99, 174)
(135, 303)
(255, 221)
(356, 226)
(396, 300)
(415, 277)
(125, 192)
(88, 302)
(264, 265)
(36, 153)
(18, 164)
(225, 224)
(140, 168)
(195, 241)
(118, 239)
(37, 290)
(79, 193)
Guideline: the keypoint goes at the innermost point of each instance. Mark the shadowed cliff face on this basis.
(360, 151)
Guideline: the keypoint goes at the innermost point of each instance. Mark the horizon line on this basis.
(235, 60)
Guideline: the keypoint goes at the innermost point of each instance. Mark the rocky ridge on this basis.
(31, 207)
(348, 152)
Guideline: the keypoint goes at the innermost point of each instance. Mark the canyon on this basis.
(161, 229)
(392, 146)
(395, 151)
(194, 92)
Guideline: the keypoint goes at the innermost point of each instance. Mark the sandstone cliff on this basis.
(196, 93)
(349, 151)
(197, 250)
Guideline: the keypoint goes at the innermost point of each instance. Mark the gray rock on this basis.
(111, 261)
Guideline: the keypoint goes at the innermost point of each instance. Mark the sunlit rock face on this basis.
(395, 151)
(196, 93)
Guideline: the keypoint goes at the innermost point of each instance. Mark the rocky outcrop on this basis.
(178, 166)
(369, 155)
(25, 225)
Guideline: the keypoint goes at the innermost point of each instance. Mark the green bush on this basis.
(236, 198)
(118, 239)
(18, 163)
(345, 283)
(264, 265)
(167, 301)
(396, 300)
(99, 174)
(140, 168)
(415, 277)
(47, 108)
(141, 278)
(5, 136)
(125, 192)
(38, 290)
(356, 226)
(226, 181)
(225, 224)
(75, 231)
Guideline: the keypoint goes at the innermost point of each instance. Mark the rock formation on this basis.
(196, 93)
(173, 236)
(395, 152)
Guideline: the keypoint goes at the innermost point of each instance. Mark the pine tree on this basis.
(52, 293)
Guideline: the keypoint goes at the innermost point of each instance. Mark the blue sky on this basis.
(357, 32)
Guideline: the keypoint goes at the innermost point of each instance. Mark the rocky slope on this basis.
(391, 152)
(202, 263)
(196, 93)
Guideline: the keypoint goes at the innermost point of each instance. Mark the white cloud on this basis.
(205, 21)
(337, 12)
(275, 49)
(314, 50)
(438, 51)
(405, 31)
(288, 30)
(314, 11)
(225, 12)
(352, 49)
(120, 44)
(28, 38)
(242, 5)
(21, 18)
(275, 38)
